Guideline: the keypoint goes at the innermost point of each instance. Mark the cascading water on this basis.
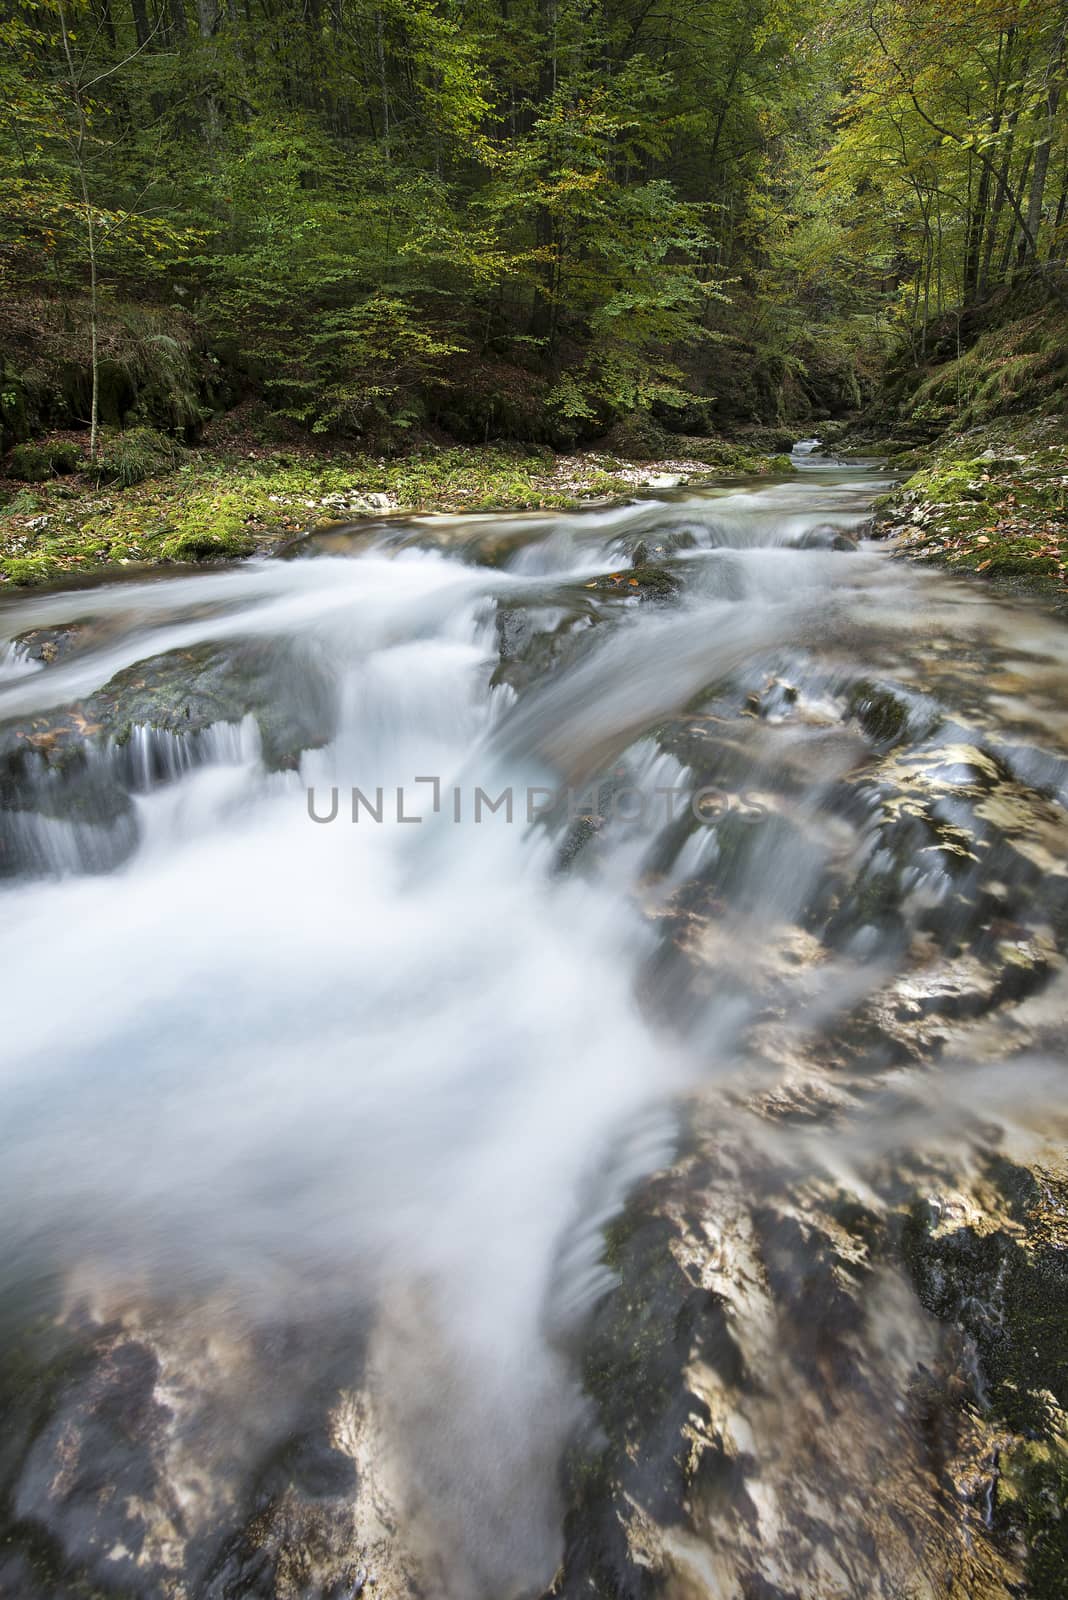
(323, 1078)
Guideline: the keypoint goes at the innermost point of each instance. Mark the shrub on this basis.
(139, 453)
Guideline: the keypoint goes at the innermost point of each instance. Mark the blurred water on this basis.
(404, 1072)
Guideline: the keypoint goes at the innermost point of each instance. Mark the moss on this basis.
(1018, 365)
(992, 500)
(28, 569)
(205, 545)
(221, 505)
(1034, 1486)
(1008, 559)
(950, 481)
(35, 463)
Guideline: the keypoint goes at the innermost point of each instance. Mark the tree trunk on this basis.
(1044, 144)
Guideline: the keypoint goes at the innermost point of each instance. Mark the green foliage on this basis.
(947, 174)
(358, 206)
(639, 438)
(131, 457)
(511, 217)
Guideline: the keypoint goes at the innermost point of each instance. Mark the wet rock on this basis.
(758, 1366)
(157, 1457)
(187, 691)
(67, 776)
(643, 582)
(534, 640)
(47, 645)
(825, 536)
(953, 846)
(887, 714)
(990, 1260)
(89, 1471)
(643, 548)
(184, 693)
(785, 758)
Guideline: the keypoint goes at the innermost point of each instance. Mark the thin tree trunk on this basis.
(207, 22)
(383, 83)
(1044, 144)
(78, 148)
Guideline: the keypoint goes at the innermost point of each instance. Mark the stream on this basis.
(484, 998)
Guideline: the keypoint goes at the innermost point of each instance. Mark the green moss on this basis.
(1008, 1291)
(992, 500)
(1007, 558)
(205, 544)
(28, 569)
(1019, 365)
(949, 482)
(880, 712)
(214, 505)
(1034, 1486)
(36, 463)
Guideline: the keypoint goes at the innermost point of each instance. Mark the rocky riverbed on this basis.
(663, 1198)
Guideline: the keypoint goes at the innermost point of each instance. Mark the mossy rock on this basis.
(639, 438)
(28, 570)
(36, 463)
(1015, 562)
(642, 582)
(882, 714)
(184, 692)
(181, 692)
(203, 544)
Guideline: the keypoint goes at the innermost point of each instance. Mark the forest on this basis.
(534, 799)
(510, 219)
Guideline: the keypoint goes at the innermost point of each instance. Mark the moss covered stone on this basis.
(35, 463)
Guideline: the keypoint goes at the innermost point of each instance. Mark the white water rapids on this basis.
(399, 1074)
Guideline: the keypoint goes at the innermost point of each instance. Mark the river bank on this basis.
(991, 501)
(241, 497)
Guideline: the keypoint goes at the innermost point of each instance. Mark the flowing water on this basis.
(324, 1079)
